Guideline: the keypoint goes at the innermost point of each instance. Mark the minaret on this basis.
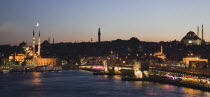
(49, 39)
(33, 44)
(99, 35)
(198, 31)
(161, 49)
(202, 32)
(53, 41)
(39, 45)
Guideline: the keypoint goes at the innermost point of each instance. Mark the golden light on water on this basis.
(118, 77)
(37, 80)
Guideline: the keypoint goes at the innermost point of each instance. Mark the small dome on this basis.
(23, 44)
(45, 43)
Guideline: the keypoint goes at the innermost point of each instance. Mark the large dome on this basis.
(191, 36)
(191, 33)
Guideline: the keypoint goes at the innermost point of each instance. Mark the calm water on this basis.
(84, 84)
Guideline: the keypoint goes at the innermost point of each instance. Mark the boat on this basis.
(5, 71)
(48, 68)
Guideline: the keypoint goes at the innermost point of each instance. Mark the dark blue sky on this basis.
(70, 20)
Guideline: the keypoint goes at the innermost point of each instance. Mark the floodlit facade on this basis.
(160, 54)
(47, 61)
(31, 57)
(18, 57)
(194, 61)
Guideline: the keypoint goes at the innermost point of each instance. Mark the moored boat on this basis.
(5, 71)
(47, 68)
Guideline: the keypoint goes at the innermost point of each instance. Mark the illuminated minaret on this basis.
(198, 31)
(161, 49)
(33, 44)
(99, 35)
(39, 45)
(202, 32)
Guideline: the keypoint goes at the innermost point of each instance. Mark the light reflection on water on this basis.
(36, 78)
(84, 84)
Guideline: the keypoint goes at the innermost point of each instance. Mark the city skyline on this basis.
(67, 21)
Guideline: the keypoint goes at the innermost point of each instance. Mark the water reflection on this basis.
(192, 92)
(106, 76)
(138, 83)
(36, 78)
(115, 78)
(185, 92)
(118, 77)
(85, 84)
(167, 87)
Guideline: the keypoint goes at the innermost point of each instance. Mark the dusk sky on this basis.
(70, 20)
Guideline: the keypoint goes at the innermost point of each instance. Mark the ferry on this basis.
(4, 71)
(48, 68)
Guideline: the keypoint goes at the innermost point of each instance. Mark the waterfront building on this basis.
(39, 61)
(29, 56)
(47, 61)
(195, 62)
(138, 69)
(160, 54)
(18, 57)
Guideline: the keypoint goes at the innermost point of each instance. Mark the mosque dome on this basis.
(23, 44)
(191, 36)
(45, 43)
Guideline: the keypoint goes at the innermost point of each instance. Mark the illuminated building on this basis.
(160, 54)
(38, 61)
(33, 46)
(138, 69)
(39, 45)
(192, 39)
(30, 57)
(47, 61)
(18, 57)
(194, 62)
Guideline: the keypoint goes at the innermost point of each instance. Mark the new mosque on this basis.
(31, 57)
